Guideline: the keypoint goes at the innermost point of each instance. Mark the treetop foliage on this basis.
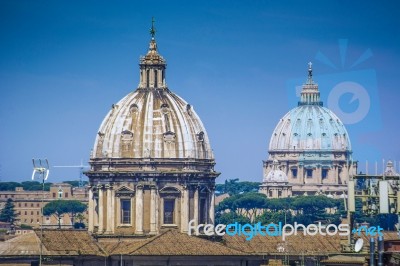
(26, 185)
(8, 214)
(233, 187)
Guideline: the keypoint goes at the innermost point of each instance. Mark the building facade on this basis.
(152, 166)
(311, 146)
(28, 204)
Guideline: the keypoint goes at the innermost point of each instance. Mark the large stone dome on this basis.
(310, 127)
(311, 146)
(152, 123)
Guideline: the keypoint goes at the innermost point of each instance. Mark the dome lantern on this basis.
(310, 93)
(152, 66)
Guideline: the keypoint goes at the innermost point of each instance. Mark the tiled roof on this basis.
(295, 244)
(70, 242)
(27, 244)
(172, 243)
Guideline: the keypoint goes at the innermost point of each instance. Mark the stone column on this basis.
(212, 206)
(110, 209)
(196, 206)
(139, 210)
(153, 210)
(101, 209)
(301, 174)
(159, 78)
(151, 72)
(345, 174)
(185, 209)
(318, 170)
(91, 211)
(337, 174)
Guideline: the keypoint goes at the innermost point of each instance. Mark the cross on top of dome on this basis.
(152, 29)
(309, 80)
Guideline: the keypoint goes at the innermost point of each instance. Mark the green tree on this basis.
(250, 203)
(57, 208)
(231, 217)
(75, 183)
(313, 208)
(234, 187)
(9, 186)
(35, 185)
(8, 214)
(75, 207)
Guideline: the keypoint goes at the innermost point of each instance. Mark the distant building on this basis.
(309, 150)
(28, 204)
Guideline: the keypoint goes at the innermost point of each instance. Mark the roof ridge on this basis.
(149, 241)
(172, 231)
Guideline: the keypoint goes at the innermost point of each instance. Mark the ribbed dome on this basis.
(152, 123)
(310, 127)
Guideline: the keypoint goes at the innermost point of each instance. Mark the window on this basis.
(125, 211)
(66, 194)
(54, 194)
(279, 194)
(294, 172)
(60, 193)
(37, 212)
(324, 173)
(26, 213)
(31, 212)
(169, 206)
(31, 204)
(270, 194)
(19, 204)
(37, 205)
(309, 173)
(203, 211)
(26, 204)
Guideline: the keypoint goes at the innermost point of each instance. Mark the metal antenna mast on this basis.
(41, 167)
(81, 167)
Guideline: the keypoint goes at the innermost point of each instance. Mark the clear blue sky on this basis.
(64, 63)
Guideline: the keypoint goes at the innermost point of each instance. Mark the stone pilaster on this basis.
(91, 210)
(110, 209)
(196, 205)
(212, 206)
(185, 209)
(139, 210)
(153, 210)
(101, 208)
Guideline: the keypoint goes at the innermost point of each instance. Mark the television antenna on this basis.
(81, 167)
(41, 167)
